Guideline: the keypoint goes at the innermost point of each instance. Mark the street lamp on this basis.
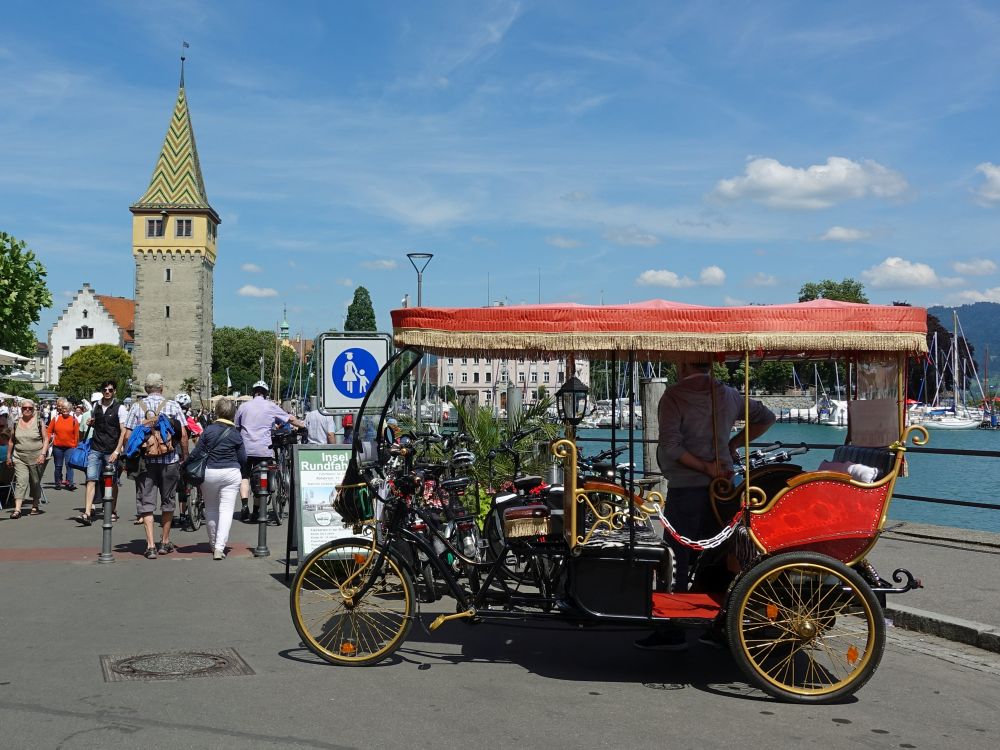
(419, 261)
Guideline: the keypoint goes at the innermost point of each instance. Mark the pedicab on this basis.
(800, 606)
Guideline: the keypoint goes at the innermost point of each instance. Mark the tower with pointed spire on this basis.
(174, 234)
(283, 335)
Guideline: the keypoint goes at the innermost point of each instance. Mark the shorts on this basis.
(157, 478)
(96, 461)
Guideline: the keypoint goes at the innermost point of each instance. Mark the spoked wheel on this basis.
(805, 628)
(279, 500)
(515, 568)
(337, 625)
(195, 511)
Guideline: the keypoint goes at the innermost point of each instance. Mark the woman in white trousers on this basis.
(225, 469)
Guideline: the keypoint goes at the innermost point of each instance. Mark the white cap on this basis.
(95, 396)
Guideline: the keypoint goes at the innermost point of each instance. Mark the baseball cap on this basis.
(95, 396)
(347, 421)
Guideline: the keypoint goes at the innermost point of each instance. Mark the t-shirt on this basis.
(255, 419)
(319, 425)
(64, 431)
(169, 409)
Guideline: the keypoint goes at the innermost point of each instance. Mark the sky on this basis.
(558, 151)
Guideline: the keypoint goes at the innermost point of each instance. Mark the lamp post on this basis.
(419, 262)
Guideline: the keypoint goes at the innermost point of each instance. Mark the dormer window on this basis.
(154, 227)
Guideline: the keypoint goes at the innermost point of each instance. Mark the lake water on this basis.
(970, 478)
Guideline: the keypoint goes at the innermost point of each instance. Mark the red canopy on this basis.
(669, 329)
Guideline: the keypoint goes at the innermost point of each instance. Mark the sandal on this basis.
(114, 516)
(137, 522)
(15, 515)
(35, 512)
(84, 520)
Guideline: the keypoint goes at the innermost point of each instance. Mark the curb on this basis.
(951, 628)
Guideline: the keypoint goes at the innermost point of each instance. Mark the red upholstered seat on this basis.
(687, 605)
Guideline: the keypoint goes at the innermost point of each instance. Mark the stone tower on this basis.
(174, 233)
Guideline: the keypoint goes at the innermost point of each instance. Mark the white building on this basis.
(90, 319)
(489, 377)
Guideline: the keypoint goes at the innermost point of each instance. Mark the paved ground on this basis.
(463, 686)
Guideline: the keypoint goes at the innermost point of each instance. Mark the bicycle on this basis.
(280, 471)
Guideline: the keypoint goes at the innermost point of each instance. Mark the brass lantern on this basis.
(571, 401)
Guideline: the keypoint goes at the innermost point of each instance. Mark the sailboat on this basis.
(958, 417)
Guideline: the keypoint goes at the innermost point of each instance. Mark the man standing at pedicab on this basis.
(696, 445)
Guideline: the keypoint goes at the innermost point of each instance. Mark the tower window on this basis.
(166, 274)
(154, 227)
(166, 311)
(183, 228)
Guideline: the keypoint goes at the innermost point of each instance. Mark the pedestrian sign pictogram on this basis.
(349, 364)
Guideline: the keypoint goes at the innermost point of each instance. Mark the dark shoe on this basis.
(150, 553)
(669, 640)
(15, 515)
(244, 514)
(166, 548)
(713, 639)
(70, 486)
(84, 520)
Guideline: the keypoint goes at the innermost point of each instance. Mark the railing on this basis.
(896, 495)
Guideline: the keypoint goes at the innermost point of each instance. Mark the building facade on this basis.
(174, 234)
(88, 319)
(490, 376)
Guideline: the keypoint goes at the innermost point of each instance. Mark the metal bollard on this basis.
(261, 492)
(108, 488)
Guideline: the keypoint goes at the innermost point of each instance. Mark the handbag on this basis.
(77, 457)
(193, 468)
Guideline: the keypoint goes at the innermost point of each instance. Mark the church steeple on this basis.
(284, 325)
(177, 182)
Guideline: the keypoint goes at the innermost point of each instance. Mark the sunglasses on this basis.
(108, 390)
(27, 408)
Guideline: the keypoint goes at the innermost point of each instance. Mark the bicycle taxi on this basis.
(800, 607)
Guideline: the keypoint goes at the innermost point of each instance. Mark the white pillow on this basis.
(857, 472)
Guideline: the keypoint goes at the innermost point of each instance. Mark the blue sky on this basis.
(712, 153)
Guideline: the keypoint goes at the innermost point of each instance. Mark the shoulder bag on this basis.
(77, 457)
(193, 468)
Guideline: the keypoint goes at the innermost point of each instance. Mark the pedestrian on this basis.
(64, 433)
(107, 420)
(84, 411)
(255, 419)
(225, 470)
(158, 474)
(696, 445)
(348, 424)
(27, 449)
(322, 428)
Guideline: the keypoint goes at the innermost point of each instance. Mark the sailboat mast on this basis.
(954, 372)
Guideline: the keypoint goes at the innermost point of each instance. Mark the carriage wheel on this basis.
(336, 625)
(805, 628)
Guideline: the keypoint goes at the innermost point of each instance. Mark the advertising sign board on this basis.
(318, 471)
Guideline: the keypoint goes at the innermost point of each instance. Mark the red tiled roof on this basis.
(122, 310)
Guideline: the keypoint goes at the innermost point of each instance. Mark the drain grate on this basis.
(174, 665)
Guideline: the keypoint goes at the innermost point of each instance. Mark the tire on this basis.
(365, 632)
(805, 628)
(427, 577)
(279, 500)
(514, 568)
(195, 510)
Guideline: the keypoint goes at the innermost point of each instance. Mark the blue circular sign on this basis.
(353, 371)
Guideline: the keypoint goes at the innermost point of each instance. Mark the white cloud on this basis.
(974, 266)
(577, 196)
(712, 276)
(251, 268)
(631, 236)
(663, 278)
(249, 290)
(971, 295)
(345, 282)
(379, 265)
(898, 273)
(564, 242)
(989, 191)
(844, 234)
(770, 182)
(762, 279)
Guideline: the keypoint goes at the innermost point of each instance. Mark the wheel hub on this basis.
(806, 629)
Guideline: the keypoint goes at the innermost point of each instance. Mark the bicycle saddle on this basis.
(527, 483)
(452, 485)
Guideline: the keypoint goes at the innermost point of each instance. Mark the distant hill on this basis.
(981, 323)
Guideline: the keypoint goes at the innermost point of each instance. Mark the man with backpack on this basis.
(159, 457)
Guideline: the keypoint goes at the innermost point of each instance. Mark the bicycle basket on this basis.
(354, 501)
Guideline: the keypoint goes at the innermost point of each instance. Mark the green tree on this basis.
(17, 388)
(85, 369)
(240, 350)
(360, 314)
(847, 290)
(23, 295)
(189, 385)
(448, 394)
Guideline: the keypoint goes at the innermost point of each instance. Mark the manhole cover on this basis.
(174, 665)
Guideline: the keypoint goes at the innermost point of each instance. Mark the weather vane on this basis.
(184, 46)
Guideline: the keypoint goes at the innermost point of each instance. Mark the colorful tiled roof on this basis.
(122, 311)
(177, 181)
